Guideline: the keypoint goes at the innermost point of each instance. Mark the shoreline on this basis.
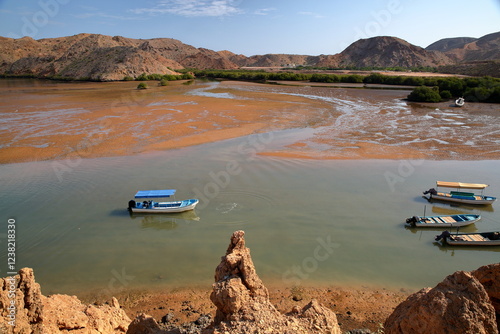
(355, 307)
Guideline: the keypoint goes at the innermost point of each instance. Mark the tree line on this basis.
(429, 89)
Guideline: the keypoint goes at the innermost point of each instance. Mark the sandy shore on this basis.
(355, 308)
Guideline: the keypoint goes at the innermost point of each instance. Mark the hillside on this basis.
(447, 44)
(389, 51)
(101, 57)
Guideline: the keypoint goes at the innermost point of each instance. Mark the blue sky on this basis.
(253, 27)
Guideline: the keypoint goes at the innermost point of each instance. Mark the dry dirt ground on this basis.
(356, 308)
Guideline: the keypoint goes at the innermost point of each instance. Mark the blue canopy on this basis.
(155, 193)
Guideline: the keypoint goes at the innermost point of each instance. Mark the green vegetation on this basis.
(485, 89)
(142, 85)
(369, 68)
(160, 77)
(425, 94)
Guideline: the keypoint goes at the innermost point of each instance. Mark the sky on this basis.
(254, 27)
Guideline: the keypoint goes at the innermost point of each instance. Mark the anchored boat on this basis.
(470, 239)
(443, 221)
(150, 206)
(458, 195)
(460, 102)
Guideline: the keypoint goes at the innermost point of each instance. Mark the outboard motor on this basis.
(131, 204)
(443, 236)
(412, 221)
(431, 191)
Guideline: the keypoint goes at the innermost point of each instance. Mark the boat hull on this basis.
(478, 200)
(167, 207)
(472, 239)
(443, 221)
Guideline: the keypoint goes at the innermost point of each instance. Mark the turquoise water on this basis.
(337, 222)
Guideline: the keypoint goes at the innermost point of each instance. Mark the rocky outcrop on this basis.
(489, 277)
(243, 304)
(144, 324)
(23, 309)
(459, 304)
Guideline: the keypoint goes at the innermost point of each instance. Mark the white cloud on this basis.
(264, 11)
(192, 8)
(315, 15)
(106, 16)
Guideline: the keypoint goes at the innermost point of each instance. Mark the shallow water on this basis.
(316, 222)
(306, 221)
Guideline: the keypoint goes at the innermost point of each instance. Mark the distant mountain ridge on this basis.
(101, 57)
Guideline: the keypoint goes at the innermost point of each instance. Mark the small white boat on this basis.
(443, 221)
(150, 206)
(470, 239)
(459, 196)
(460, 102)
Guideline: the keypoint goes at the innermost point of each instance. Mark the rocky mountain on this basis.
(389, 51)
(465, 49)
(447, 44)
(101, 57)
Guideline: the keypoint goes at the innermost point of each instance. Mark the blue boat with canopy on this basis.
(148, 205)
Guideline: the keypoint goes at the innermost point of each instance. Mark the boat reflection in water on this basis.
(164, 221)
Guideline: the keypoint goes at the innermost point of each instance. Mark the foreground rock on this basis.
(489, 277)
(459, 304)
(243, 304)
(36, 313)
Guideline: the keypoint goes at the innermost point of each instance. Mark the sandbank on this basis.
(64, 120)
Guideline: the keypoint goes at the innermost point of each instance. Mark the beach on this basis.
(65, 122)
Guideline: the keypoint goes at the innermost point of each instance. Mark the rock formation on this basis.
(459, 304)
(489, 277)
(243, 304)
(33, 312)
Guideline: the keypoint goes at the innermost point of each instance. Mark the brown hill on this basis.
(101, 57)
(471, 56)
(389, 51)
(447, 44)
